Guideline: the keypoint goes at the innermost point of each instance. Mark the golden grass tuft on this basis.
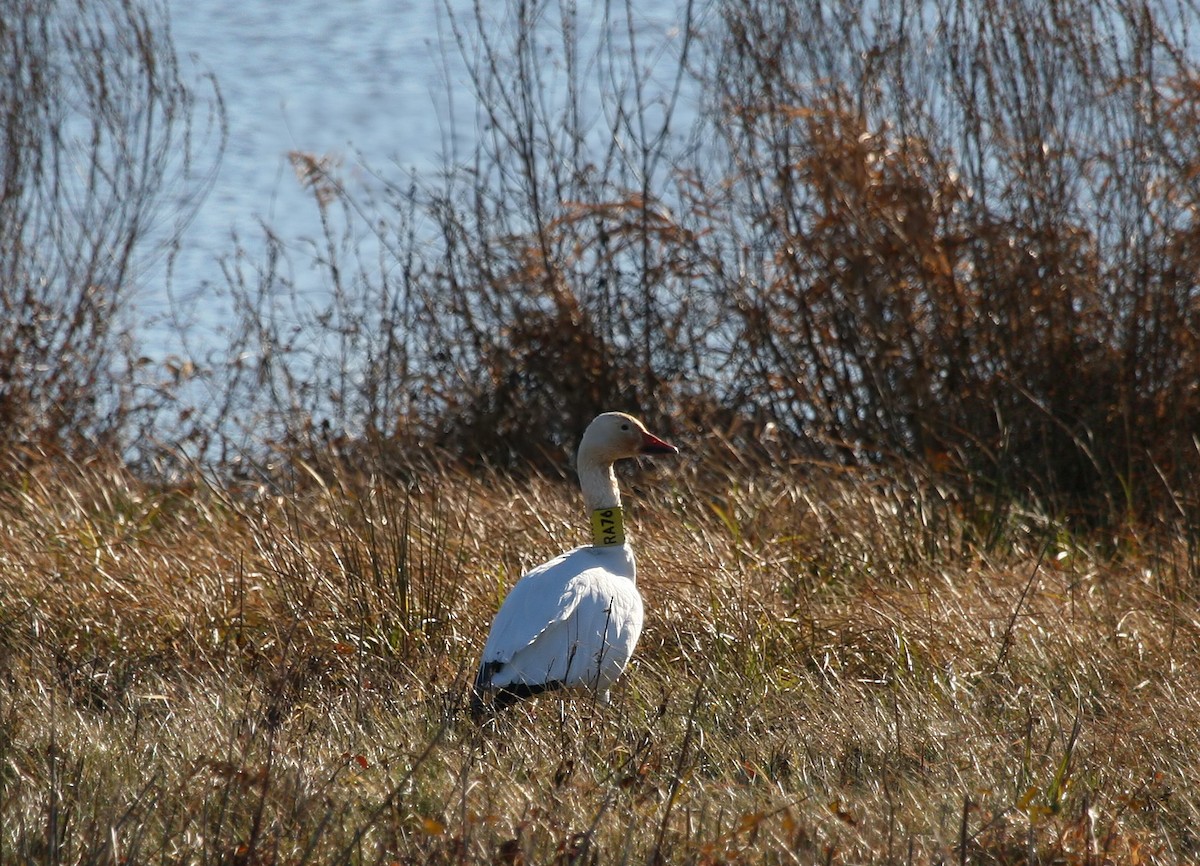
(836, 669)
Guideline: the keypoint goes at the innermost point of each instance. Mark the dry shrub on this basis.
(98, 129)
(961, 238)
(966, 261)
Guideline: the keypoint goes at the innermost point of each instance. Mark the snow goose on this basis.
(572, 622)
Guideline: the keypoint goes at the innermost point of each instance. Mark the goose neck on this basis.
(599, 485)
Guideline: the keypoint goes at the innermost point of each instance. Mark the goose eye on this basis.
(625, 427)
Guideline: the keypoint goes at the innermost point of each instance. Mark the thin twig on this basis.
(677, 777)
(1006, 638)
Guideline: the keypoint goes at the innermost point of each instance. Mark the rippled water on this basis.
(364, 81)
(358, 80)
(358, 76)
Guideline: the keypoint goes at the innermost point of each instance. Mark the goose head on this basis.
(614, 436)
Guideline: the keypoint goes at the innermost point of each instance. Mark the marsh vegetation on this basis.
(913, 286)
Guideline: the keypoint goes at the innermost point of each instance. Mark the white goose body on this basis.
(572, 623)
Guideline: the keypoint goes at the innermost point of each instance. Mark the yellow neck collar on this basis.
(608, 527)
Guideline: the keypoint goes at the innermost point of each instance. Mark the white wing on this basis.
(571, 623)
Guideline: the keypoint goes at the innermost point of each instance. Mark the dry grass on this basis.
(832, 671)
(909, 227)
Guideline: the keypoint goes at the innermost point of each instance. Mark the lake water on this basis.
(364, 81)
(358, 80)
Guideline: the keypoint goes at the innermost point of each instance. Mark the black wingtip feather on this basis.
(505, 696)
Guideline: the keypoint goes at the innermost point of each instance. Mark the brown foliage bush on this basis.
(976, 243)
(962, 236)
(96, 127)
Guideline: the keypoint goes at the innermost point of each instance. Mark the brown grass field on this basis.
(953, 245)
(837, 668)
